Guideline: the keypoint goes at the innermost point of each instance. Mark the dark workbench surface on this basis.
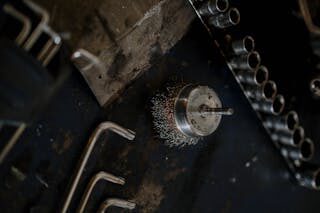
(237, 169)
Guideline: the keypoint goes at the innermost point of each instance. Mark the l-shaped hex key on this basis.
(126, 133)
(94, 180)
(116, 202)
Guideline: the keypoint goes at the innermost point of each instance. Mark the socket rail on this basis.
(308, 177)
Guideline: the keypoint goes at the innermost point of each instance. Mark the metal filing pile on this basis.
(245, 64)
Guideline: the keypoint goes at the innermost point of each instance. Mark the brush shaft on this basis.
(204, 109)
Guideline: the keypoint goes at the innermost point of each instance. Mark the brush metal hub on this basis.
(194, 110)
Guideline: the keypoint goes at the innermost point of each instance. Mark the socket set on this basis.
(244, 63)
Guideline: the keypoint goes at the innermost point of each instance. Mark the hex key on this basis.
(54, 40)
(9, 9)
(43, 22)
(51, 47)
(8, 146)
(94, 180)
(116, 202)
(126, 133)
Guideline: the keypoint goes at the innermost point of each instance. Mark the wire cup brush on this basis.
(184, 114)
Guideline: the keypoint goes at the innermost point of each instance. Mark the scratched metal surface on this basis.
(234, 170)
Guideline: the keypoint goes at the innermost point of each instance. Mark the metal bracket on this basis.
(90, 66)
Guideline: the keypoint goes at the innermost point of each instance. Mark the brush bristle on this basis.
(164, 122)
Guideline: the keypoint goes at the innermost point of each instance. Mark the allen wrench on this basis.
(103, 127)
(52, 45)
(12, 141)
(116, 202)
(26, 23)
(305, 11)
(94, 180)
(38, 30)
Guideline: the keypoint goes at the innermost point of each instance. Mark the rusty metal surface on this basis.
(126, 35)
